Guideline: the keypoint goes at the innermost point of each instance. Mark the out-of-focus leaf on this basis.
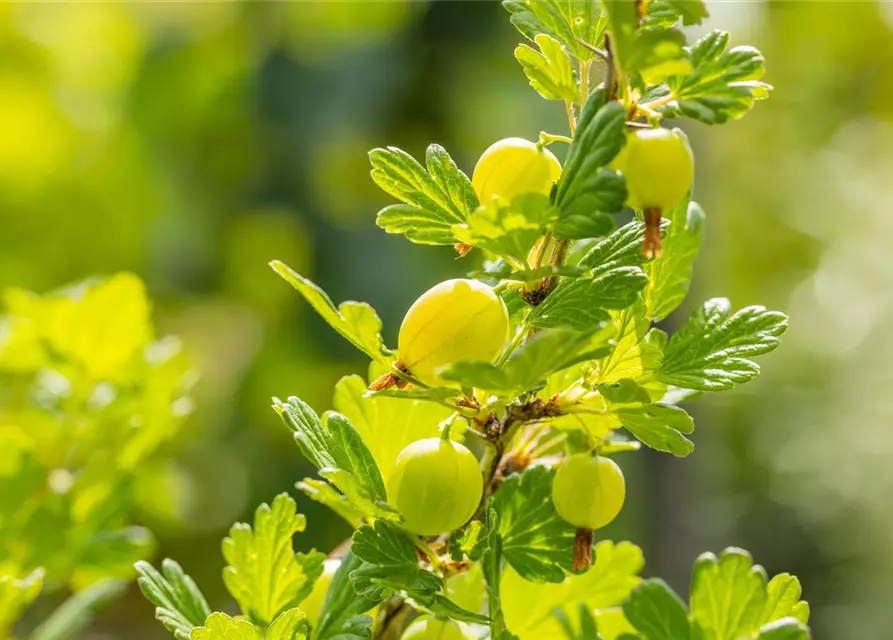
(73, 615)
(16, 594)
(568, 22)
(655, 610)
(180, 606)
(549, 69)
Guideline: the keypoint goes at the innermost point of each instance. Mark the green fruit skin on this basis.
(588, 492)
(437, 486)
(514, 166)
(658, 166)
(453, 321)
(428, 628)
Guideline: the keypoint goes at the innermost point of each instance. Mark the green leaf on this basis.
(503, 271)
(568, 22)
(550, 72)
(73, 615)
(357, 322)
(264, 574)
(637, 352)
(15, 595)
(536, 541)
(335, 446)
(443, 607)
(180, 605)
(712, 351)
(657, 612)
(578, 226)
(508, 229)
(491, 565)
(784, 629)
(587, 189)
(783, 600)
(289, 625)
(668, 12)
(529, 607)
(623, 248)
(391, 564)
(542, 355)
(652, 51)
(582, 304)
(659, 426)
(670, 275)
(220, 626)
(387, 424)
(728, 595)
(722, 85)
(434, 199)
(322, 492)
(341, 615)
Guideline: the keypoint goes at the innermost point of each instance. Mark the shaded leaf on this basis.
(549, 69)
(659, 426)
(341, 615)
(326, 494)
(784, 629)
(655, 610)
(72, 616)
(567, 22)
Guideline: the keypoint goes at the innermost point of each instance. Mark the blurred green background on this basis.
(193, 142)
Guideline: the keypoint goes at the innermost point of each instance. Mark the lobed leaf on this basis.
(669, 276)
(549, 69)
(659, 426)
(264, 574)
(435, 197)
(655, 610)
(728, 595)
(783, 600)
(357, 322)
(651, 50)
(542, 355)
(341, 615)
(567, 22)
(722, 85)
(180, 606)
(220, 626)
(784, 629)
(712, 351)
(536, 541)
(324, 493)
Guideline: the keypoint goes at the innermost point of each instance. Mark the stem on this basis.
(392, 621)
(571, 118)
(585, 66)
(430, 553)
(549, 138)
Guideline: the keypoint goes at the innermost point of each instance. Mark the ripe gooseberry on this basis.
(428, 628)
(588, 491)
(659, 169)
(436, 485)
(514, 166)
(453, 321)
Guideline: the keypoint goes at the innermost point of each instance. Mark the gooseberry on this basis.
(453, 321)
(658, 167)
(587, 491)
(514, 166)
(428, 628)
(436, 485)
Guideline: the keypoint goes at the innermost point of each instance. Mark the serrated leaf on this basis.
(649, 50)
(722, 85)
(549, 69)
(390, 564)
(588, 189)
(529, 607)
(508, 229)
(180, 605)
(582, 304)
(655, 610)
(289, 625)
(72, 616)
(387, 424)
(783, 600)
(435, 197)
(16, 594)
(341, 615)
(324, 493)
(659, 426)
(542, 355)
(784, 629)
(333, 444)
(623, 248)
(578, 226)
(264, 574)
(536, 541)
(728, 595)
(220, 626)
(712, 351)
(568, 22)
(501, 270)
(669, 276)
(357, 322)
(637, 352)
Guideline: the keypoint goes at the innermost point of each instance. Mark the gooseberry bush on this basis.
(478, 462)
